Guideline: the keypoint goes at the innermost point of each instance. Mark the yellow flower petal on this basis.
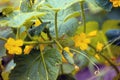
(13, 46)
(99, 46)
(16, 50)
(87, 41)
(27, 49)
(92, 34)
(42, 47)
(81, 41)
(19, 42)
(83, 46)
(116, 3)
(97, 56)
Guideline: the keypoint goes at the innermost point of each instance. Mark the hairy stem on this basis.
(18, 33)
(83, 15)
(44, 64)
(59, 45)
(37, 42)
(111, 63)
(56, 25)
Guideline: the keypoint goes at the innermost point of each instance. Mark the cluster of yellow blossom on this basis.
(116, 3)
(15, 46)
(82, 40)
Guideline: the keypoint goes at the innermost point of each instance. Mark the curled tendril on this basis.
(98, 70)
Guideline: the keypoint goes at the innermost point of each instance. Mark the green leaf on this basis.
(4, 32)
(67, 68)
(74, 14)
(7, 10)
(62, 3)
(68, 27)
(105, 4)
(37, 30)
(22, 18)
(110, 24)
(80, 60)
(26, 6)
(30, 67)
(90, 26)
(67, 57)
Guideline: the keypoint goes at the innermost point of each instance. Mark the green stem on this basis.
(29, 35)
(59, 45)
(83, 15)
(31, 3)
(56, 25)
(86, 57)
(37, 42)
(62, 69)
(105, 41)
(44, 64)
(111, 63)
(2, 38)
(18, 33)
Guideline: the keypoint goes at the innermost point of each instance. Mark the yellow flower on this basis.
(99, 46)
(82, 41)
(37, 23)
(116, 3)
(97, 56)
(28, 48)
(14, 46)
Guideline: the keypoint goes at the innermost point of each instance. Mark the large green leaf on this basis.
(62, 3)
(65, 9)
(90, 26)
(30, 67)
(26, 6)
(105, 4)
(4, 32)
(80, 60)
(21, 18)
(63, 27)
(110, 24)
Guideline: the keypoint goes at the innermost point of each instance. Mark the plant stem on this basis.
(37, 42)
(83, 15)
(59, 45)
(18, 33)
(56, 25)
(111, 63)
(29, 35)
(2, 38)
(44, 64)
(62, 69)
(86, 57)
